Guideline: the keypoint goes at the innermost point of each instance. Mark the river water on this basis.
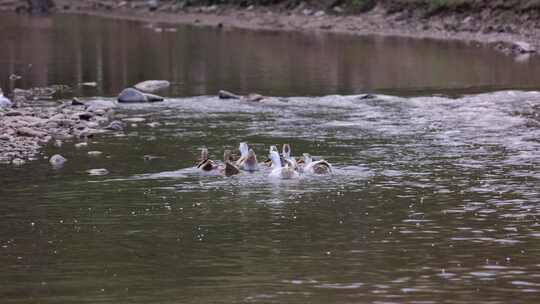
(434, 199)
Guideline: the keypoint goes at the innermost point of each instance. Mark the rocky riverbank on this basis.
(28, 124)
(512, 27)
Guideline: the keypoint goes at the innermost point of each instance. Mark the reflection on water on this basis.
(434, 200)
(72, 49)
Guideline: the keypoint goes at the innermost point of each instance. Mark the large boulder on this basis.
(152, 85)
(131, 95)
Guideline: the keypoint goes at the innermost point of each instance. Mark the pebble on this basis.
(57, 160)
(319, 14)
(134, 119)
(115, 126)
(94, 153)
(81, 145)
(97, 172)
(26, 131)
(18, 162)
(76, 102)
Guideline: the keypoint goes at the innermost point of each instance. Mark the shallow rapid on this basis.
(432, 200)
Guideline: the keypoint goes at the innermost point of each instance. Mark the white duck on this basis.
(248, 159)
(4, 102)
(286, 172)
(316, 167)
(286, 153)
(268, 162)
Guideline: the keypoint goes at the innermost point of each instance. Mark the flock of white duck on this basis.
(283, 166)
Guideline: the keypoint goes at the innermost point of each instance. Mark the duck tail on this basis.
(244, 149)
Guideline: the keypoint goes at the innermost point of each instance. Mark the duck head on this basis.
(227, 155)
(251, 159)
(307, 158)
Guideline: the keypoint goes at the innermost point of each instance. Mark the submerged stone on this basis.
(57, 160)
(115, 126)
(97, 172)
(222, 94)
(254, 97)
(153, 98)
(152, 85)
(18, 162)
(94, 153)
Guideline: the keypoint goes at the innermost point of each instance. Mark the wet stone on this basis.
(152, 85)
(222, 94)
(94, 153)
(98, 172)
(131, 95)
(115, 126)
(57, 160)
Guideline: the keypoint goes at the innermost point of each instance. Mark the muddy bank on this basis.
(513, 28)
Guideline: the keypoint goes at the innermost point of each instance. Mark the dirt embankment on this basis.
(513, 26)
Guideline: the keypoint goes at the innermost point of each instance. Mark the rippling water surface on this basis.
(433, 200)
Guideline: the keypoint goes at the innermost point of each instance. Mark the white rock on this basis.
(524, 47)
(94, 153)
(134, 119)
(18, 162)
(96, 172)
(152, 85)
(81, 145)
(307, 12)
(319, 14)
(57, 160)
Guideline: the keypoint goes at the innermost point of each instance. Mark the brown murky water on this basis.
(433, 200)
(116, 54)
